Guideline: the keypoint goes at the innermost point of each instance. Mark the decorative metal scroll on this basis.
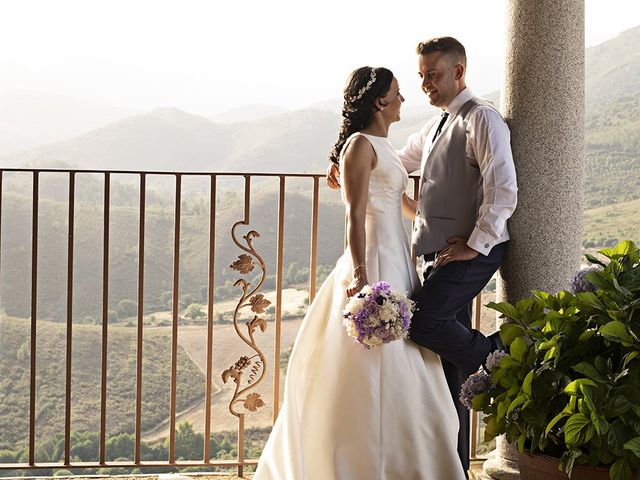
(255, 364)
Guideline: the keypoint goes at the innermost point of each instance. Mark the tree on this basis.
(85, 445)
(204, 293)
(166, 298)
(7, 456)
(186, 299)
(127, 308)
(194, 311)
(62, 473)
(120, 446)
(189, 445)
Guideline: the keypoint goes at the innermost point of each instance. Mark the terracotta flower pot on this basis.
(542, 467)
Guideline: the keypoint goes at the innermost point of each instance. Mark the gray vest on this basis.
(450, 187)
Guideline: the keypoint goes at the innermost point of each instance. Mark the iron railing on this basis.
(248, 299)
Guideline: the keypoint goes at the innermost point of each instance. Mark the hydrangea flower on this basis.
(579, 282)
(477, 383)
(493, 359)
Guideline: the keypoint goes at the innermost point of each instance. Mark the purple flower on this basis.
(381, 287)
(370, 308)
(477, 383)
(493, 359)
(579, 282)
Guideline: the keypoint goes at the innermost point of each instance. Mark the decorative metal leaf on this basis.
(231, 372)
(257, 322)
(244, 264)
(242, 283)
(259, 303)
(251, 235)
(253, 402)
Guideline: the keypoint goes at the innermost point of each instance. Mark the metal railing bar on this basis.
(166, 172)
(70, 237)
(105, 317)
(144, 463)
(140, 326)
(314, 241)
(34, 305)
(278, 312)
(210, 303)
(1, 181)
(174, 325)
(477, 317)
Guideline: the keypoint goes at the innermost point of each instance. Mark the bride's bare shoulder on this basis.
(359, 151)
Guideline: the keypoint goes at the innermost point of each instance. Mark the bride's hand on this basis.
(333, 173)
(358, 282)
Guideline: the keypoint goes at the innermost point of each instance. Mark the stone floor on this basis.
(474, 474)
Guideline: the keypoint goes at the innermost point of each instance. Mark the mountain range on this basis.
(266, 138)
(30, 119)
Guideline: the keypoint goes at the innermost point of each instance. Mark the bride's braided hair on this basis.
(360, 94)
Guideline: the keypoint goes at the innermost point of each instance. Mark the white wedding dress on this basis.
(355, 414)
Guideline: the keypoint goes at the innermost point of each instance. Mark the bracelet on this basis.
(357, 267)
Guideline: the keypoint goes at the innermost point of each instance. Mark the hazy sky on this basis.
(208, 56)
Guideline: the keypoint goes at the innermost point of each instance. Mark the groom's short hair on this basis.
(446, 45)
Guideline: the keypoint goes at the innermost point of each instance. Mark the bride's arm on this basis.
(409, 207)
(357, 163)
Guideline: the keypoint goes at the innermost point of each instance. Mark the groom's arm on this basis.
(489, 139)
(411, 154)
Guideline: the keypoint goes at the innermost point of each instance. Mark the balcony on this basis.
(148, 316)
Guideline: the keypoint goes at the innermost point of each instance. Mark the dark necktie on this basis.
(443, 120)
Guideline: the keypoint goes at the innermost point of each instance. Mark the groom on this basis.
(467, 193)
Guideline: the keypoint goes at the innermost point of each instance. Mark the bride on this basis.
(350, 413)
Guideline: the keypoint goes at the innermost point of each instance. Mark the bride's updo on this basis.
(364, 85)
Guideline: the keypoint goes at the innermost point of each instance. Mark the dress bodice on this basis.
(388, 179)
(388, 253)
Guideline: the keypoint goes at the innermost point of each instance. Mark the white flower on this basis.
(350, 327)
(372, 340)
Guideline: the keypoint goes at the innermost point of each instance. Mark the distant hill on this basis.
(612, 129)
(16, 250)
(247, 113)
(30, 118)
(170, 139)
(613, 69)
(298, 141)
(164, 139)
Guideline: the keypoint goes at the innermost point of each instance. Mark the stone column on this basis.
(543, 103)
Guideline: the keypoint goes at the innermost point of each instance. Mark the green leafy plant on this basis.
(569, 385)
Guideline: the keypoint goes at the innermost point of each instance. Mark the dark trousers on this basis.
(442, 323)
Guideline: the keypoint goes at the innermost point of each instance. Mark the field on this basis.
(605, 226)
(15, 357)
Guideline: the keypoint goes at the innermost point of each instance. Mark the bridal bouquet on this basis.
(377, 315)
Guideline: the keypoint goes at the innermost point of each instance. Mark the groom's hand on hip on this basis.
(457, 251)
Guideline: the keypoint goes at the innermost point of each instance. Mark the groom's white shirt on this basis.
(489, 142)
